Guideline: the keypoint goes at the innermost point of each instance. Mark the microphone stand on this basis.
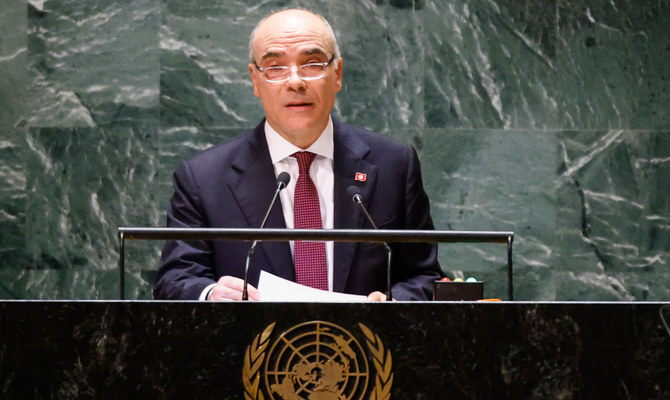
(282, 182)
(356, 197)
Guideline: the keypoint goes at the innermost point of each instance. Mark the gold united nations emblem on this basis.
(317, 360)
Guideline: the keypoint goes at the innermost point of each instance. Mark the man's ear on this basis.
(254, 78)
(338, 73)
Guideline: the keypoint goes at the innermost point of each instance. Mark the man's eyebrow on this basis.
(271, 54)
(313, 51)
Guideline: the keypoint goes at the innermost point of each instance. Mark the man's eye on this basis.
(312, 66)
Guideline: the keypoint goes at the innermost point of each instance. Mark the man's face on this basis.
(297, 109)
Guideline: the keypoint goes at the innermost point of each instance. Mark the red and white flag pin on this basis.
(361, 177)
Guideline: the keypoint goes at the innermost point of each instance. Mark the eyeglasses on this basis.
(306, 72)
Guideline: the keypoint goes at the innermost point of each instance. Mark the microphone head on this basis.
(354, 192)
(283, 179)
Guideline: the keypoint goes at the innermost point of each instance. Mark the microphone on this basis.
(355, 193)
(282, 181)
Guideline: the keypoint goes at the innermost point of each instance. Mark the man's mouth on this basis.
(299, 105)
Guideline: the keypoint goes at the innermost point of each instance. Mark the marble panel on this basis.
(82, 184)
(94, 63)
(13, 64)
(547, 64)
(13, 103)
(490, 64)
(383, 52)
(589, 209)
(204, 53)
(12, 208)
(493, 180)
(613, 210)
(613, 59)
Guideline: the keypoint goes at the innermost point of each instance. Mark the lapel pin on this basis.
(361, 177)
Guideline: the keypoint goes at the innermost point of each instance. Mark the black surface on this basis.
(440, 350)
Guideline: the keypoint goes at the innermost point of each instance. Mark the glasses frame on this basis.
(294, 68)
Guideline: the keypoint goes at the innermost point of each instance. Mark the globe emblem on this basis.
(316, 360)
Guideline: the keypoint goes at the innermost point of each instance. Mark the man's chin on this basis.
(301, 123)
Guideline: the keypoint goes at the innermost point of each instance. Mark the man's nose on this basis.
(294, 79)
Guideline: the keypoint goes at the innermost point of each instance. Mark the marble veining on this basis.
(544, 118)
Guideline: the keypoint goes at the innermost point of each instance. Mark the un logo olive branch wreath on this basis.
(253, 359)
(383, 364)
(255, 356)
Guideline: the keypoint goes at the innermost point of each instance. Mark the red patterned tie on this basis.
(309, 257)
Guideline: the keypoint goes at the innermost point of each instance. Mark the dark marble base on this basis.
(457, 350)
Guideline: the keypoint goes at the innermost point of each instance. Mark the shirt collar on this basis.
(281, 148)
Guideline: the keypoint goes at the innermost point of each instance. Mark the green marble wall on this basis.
(548, 118)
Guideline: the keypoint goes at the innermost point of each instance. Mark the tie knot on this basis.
(305, 159)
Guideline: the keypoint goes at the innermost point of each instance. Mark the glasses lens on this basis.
(313, 70)
(276, 73)
(280, 73)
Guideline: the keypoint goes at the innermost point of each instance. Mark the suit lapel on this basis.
(253, 189)
(349, 153)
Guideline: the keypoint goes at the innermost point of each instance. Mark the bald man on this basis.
(296, 70)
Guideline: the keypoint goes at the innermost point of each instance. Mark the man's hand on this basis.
(377, 296)
(230, 288)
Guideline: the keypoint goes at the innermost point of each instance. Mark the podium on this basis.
(430, 350)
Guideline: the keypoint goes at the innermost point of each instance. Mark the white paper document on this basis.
(274, 288)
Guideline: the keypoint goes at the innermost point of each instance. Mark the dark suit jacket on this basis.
(232, 184)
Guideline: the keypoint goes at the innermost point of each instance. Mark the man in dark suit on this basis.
(296, 71)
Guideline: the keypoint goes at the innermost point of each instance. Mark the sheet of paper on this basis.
(274, 288)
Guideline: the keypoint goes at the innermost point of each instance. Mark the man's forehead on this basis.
(293, 19)
(292, 28)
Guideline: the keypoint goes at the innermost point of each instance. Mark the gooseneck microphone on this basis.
(355, 193)
(282, 181)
